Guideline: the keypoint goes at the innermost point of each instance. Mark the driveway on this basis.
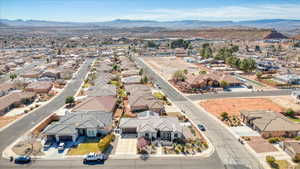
(126, 146)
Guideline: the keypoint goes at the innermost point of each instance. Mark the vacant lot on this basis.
(166, 66)
(234, 105)
(286, 102)
(5, 120)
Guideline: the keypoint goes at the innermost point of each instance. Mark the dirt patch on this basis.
(260, 145)
(286, 102)
(23, 148)
(5, 120)
(233, 106)
(167, 66)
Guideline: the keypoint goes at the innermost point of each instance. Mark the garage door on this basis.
(129, 133)
(65, 138)
(129, 130)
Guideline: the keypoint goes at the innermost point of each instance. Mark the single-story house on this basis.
(145, 101)
(102, 90)
(270, 124)
(15, 99)
(150, 125)
(292, 148)
(31, 74)
(39, 86)
(52, 73)
(132, 72)
(132, 79)
(97, 103)
(5, 88)
(84, 123)
(289, 78)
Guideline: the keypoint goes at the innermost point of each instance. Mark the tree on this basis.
(59, 52)
(179, 76)
(290, 112)
(141, 72)
(70, 100)
(144, 80)
(12, 76)
(115, 67)
(180, 43)
(152, 44)
(185, 71)
(224, 116)
(258, 75)
(223, 84)
(257, 48)
(235, 48)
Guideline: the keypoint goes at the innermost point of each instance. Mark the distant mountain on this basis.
(280, 24)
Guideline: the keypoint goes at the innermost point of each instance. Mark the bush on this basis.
(270, 159)
(274, 140)
(105, 142)
(296, 159)
(297, 138)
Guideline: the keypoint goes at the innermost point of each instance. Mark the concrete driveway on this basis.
(126, 146)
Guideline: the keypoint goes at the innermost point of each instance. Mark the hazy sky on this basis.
(104, 10)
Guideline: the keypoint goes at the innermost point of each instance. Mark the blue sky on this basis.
(162, 10)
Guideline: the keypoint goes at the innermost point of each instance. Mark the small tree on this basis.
(141, 72)
(258, 75)
(223, 84)
(144, 80)
(224, 116)
(185, 71)
(70, 100)
(12, 76)
(179, 76)
(290, 112)
(270, 159)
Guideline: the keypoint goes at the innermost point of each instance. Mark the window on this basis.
(146, 135)
(175, 135)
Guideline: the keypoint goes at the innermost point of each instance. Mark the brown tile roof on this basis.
(12, 98)
(39, 85)
(270, 121)
(6, 86)
(98, 103)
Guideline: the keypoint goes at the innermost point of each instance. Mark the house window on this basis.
(175, 135)
(147, 135)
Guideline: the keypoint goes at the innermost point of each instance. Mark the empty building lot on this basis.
(233, 106)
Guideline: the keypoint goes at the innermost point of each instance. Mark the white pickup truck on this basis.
(94, 157)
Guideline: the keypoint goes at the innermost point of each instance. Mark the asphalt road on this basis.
(175, 163)
(232, 154)
(10, 134)
(279, 92)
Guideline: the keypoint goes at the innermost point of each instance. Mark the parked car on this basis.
(94, 157)
(61, 147)
(201, 127)
(22, 159)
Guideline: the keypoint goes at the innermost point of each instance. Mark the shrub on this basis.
(297, 138)
(274, 140)
(105, 142)
(270, 159)
(296, 159)
(290, 112)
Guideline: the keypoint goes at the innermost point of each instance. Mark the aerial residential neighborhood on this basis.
(150, 84)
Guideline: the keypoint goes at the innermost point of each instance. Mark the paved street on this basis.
(231, 152)
(164, 163)
(10, 134)
(281, 92)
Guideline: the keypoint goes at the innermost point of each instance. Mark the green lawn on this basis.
(282, 164)
(89, 145)
(294, 119)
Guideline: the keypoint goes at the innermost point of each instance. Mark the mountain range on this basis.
(280, 24)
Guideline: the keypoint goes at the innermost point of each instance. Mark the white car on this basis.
(94, 157)
(61, 147)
